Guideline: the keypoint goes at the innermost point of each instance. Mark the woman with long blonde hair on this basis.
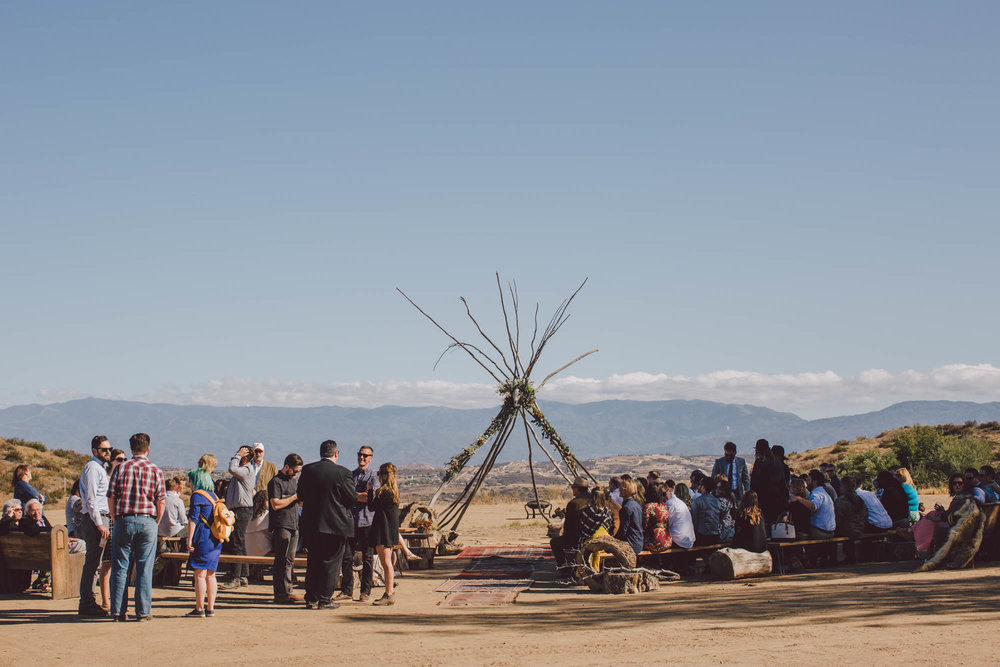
(384, 501)
(912, 497)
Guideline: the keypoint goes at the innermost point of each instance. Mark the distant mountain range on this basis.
(182, 433)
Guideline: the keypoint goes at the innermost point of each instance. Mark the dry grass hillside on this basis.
(988, 433)
(53, 471)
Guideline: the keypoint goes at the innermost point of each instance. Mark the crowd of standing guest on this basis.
(120, 508)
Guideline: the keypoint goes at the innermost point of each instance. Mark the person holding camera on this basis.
(239, 499)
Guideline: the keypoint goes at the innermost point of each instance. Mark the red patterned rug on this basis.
(495, 577)
(506, 552)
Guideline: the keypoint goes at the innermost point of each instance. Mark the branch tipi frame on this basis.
(513, 377)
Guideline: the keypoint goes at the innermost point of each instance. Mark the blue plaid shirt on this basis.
(362, 478)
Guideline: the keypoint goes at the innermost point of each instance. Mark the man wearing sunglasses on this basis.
(95, 522)
(364, 476)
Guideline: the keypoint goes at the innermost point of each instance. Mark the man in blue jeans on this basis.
(136, 499)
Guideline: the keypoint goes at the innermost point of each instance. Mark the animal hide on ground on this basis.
(964, 539)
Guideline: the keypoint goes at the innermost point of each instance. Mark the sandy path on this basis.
(866, 615)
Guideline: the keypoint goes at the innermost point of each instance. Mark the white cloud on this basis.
(810, 395)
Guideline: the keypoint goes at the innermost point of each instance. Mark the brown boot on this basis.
(385, 601)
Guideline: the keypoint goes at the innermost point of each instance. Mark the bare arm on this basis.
(282, 503)
(160, 506)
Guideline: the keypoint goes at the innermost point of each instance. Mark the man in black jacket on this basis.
(326, 493)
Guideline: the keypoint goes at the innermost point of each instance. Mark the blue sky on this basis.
(786, 205)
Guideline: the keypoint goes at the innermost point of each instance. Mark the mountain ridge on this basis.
(181, 433)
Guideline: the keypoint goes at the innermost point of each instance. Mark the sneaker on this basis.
(244, 581)
(195, 613)
(365, 597)
(209, 613)
(143, 618)
(310, 605)
(342, 596)
(328, 605)
(229, 584)
(93, 611)
(384, 601)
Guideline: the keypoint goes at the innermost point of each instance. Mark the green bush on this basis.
(932, 456)
(31, 445)
(864, 466)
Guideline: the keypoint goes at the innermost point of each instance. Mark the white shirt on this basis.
(823, 516)
(94, 490)
(877, 516)
(616, 496)
(680, 523)
(174, 515)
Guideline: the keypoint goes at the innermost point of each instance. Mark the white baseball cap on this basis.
(258, 446)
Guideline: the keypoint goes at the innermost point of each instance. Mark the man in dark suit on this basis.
(327, 494)
(734, 469)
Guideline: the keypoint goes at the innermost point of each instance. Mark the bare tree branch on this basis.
(446, 333)
(468, 312)
(562, 368)
(454, 345)
(506, 321)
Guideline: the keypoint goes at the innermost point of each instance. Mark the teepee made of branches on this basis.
(512, 371)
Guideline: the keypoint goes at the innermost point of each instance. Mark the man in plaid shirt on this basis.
(136, 500)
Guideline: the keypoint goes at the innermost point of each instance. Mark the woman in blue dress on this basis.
(203, 548)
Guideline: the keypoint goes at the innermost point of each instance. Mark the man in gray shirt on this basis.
(364, 476)
(283, 521)
(239, 499)
(95, 521)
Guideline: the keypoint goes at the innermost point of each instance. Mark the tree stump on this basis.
(728, 564)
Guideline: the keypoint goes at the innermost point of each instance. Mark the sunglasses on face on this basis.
(104, 449)
(364, 456)
(119, 459)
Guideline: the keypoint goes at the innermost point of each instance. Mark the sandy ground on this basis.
(866, 615)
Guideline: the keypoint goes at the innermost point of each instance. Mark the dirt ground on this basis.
(868, 614)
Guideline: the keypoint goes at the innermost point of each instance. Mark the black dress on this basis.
(750, 537)
(385, 524)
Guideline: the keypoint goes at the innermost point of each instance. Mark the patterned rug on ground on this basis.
(506, 552)
(495, 577)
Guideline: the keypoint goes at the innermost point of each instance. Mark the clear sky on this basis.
(790, 205)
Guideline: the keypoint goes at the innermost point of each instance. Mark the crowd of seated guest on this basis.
(654, 515)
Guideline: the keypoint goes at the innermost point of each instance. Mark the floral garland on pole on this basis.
(457, 462)
(539, 420)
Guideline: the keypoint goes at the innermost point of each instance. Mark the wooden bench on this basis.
(702, 549)
(229, 559)
(419, 542)
(778, 547)
(47, 552)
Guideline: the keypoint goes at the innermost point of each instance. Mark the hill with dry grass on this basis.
(929, 451)
(53, 471)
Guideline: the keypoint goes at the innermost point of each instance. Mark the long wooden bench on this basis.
(232, 558)
(673, 551)
(778, 547)
(47, 552)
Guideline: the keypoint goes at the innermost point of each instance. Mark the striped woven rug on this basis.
(495, 577)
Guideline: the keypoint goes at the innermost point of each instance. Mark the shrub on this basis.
(932, 456)
(37, 446)
(866, 465)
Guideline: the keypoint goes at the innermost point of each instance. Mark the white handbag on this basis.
(783, 529)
